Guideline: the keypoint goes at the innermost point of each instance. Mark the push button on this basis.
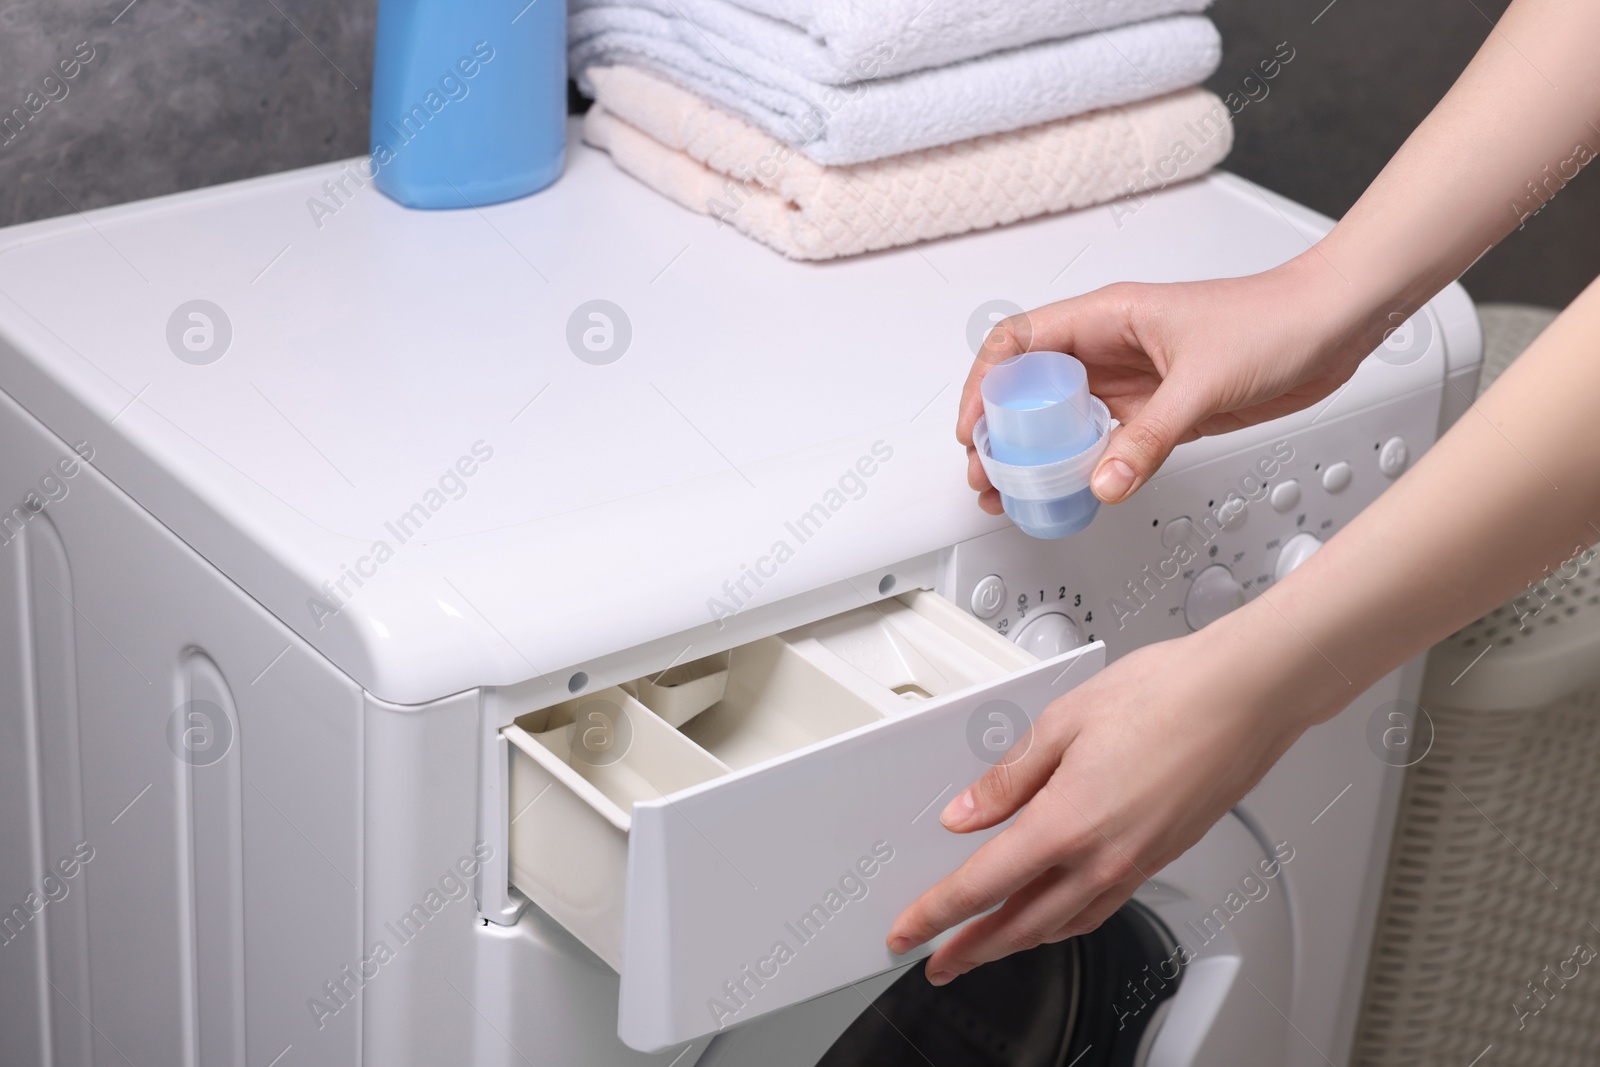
(1177, 531)
(1393, 457)
(988, 596)
(1285, 495)
(1337, 477)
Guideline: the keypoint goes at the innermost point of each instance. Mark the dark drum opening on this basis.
(1084, 1002)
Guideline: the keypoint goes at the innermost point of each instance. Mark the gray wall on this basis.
(182, 94)
(1363, 76)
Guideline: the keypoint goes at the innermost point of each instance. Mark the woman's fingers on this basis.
(1003, 865)
(1097, 327)
(1047, 832)
(1097, 911)
(1012, 859)
(1064, 901)
(1118, 778)
(1139, 447)
(1024, 770)
(988, 496)
(977, 477)
(1008, 338)
(1057, 327)
(1048, 867)
(1029, 918)
(1173, 360)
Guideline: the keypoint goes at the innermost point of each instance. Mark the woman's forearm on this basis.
(1511, 491)
(1130, 769)
(1517, 125)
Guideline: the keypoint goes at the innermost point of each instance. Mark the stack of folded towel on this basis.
(830, 127)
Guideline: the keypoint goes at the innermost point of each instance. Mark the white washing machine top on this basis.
(405, 434)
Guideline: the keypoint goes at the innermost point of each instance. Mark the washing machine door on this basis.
(1049, 1007)
(1191, 973)
(1226, 904)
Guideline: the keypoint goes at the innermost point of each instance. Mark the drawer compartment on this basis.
(581, 767)
(681, 692)
(747, 848)
(901, 652)
(776, 701)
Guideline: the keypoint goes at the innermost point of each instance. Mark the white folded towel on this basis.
(714, 163)
(880, 117)
(835, 41)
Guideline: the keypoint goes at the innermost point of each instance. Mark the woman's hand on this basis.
(1117, 779)
(1177, 361)
(1131, 768)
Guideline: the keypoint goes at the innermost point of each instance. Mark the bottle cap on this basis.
(1039, 439)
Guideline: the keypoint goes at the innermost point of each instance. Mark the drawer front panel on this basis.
(778, 883)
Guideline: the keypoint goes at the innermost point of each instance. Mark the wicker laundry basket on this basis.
(1487, 940)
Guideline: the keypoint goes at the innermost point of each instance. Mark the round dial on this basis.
(1214, 593)
(1295, 551)
(1050, 635)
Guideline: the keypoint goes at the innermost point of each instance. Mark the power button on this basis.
(1393, 457)
(988, 596)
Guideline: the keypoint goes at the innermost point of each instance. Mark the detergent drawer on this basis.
(736, 834)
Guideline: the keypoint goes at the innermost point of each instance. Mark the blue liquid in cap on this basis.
(1050, 519)
(1037, 408)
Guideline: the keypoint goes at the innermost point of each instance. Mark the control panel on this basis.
(1196, 543)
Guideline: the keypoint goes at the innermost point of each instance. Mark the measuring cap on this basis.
(1039, 439)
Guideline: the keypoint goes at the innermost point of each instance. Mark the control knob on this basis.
(1295, 551)
(1050, 635)
(1213, 593)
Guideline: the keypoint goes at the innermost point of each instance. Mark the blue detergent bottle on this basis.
(1041, 434)
(469, 100)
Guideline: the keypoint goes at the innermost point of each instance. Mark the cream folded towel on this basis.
(877, 116)
(719, 165)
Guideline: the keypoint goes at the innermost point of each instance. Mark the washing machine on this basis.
(546, 635)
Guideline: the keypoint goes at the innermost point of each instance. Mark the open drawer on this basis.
(736, 834)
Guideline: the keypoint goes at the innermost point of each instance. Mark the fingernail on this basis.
(1113, 480)
(900, 945)
(941, 977)
(958, 810)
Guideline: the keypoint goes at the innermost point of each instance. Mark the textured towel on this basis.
(880, 117)
(722, 166)
(836, 41)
